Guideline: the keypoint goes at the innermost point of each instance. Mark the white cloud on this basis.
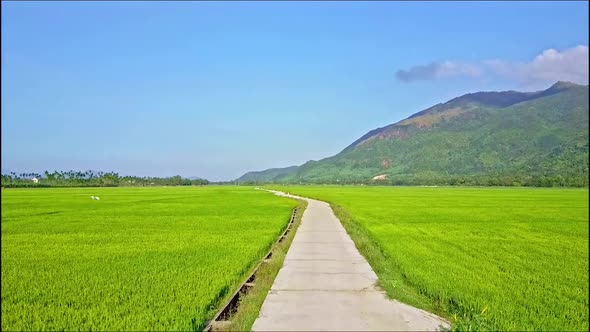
(549, 66)
(438, 70)
(569, 65)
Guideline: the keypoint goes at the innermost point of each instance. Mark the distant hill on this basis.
(482, 138)
(273, 174)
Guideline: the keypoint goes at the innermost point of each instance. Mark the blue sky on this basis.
(215, 89)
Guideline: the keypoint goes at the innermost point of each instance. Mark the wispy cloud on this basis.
(551, 65)
(438, 70)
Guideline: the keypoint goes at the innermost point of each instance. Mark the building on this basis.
(35, 180)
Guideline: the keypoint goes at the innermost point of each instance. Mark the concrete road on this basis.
(326, 284)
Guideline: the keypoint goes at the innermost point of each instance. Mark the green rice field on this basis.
(486, 258)
(166, 258)
(137, 259)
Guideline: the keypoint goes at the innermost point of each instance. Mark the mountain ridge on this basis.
(522, 129)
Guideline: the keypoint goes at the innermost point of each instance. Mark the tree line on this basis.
(467, 180)
(91, 179)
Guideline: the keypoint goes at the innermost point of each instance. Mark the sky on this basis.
(216, 89)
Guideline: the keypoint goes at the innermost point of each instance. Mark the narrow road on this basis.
(326, 284)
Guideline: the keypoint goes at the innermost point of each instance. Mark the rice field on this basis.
(137, 259)
(488, 258)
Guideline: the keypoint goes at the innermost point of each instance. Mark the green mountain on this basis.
(484, 138)
(272, 174)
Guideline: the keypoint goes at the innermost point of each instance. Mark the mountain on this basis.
(269, 175)
(482, 138)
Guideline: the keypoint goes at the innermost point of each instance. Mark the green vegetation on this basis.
(137, 259)
(482, 139)
(91, 179)
(251, 303)
(485, 258)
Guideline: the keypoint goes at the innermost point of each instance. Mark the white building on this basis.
(35, 180)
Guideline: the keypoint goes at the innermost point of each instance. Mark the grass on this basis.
(138, 259)
(484, 258)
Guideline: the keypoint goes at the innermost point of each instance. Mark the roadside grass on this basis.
(398, 286)
(393, 281)
(251, 303)
(484, 258)
(139, 259)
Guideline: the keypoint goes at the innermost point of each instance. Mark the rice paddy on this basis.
(137, 259)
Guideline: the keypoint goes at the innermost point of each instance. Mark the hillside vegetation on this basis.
(485, 138)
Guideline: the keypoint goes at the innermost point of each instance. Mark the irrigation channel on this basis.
(222, 318)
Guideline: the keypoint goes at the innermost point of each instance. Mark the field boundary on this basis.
(222, 319)
(399, 287)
